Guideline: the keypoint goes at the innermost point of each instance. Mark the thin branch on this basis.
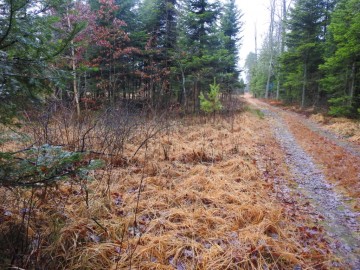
(148, 138)
(11, 15)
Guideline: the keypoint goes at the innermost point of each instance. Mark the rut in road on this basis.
(339, 221)
(349, 147)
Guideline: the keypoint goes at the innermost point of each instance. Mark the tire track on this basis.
(340, 222)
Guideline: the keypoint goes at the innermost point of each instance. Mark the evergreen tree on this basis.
(211, 102)
(305, 42)
(29, 42)
(231, 27)
(110, 52)
(159, 21)
(341, 68)
(128, 12)
(200, 19)
(132, 72)
(200, 43)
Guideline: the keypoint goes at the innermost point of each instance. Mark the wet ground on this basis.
(338, 219)
(348, 146)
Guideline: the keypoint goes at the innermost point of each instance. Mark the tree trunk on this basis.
(184, 88)
(283, 26)
(269, 77)
(304, 87)
(271, 32)
(282, 43)
(352, 84)
(197, 91)
(73, 65)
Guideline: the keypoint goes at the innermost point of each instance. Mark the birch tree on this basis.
(271, 46)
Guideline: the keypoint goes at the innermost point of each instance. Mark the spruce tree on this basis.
(341, 68)
(305, 42)
(29, 44)
(230, 28)
(199, 39)
(159, 22)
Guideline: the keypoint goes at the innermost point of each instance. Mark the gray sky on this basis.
(254, 12)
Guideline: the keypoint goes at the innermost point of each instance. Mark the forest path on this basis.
(340, 221)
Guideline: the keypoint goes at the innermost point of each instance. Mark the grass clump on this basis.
(255, 111)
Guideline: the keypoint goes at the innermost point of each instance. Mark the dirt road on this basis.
(326, 174)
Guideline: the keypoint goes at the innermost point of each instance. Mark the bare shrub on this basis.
(119, 135)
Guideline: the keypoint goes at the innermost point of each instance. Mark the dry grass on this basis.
(192, 199)
(344, 127)
(318, 118)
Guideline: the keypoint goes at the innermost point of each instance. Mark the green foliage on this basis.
(198, 41)
(320, 65)
(207, 47)
(144, 49)
(258, 74)
(29, 42)
(341, 77)
(256, 112)
(201, 16)
(340, 106)
(211, 103)
(229, 38)
(307, 26)
(42, 166)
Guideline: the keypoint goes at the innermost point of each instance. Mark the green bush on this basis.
(211, 103)
(340, 106)
(41, 166)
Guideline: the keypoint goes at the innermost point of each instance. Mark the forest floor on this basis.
(325, 170)
(256, 188)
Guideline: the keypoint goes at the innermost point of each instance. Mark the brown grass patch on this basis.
(348, 128)
(194, 199)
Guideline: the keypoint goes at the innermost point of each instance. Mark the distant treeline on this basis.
(311, 55)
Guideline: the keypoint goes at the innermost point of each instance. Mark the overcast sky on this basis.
(254, 12)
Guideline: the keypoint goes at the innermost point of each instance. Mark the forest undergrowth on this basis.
(180, 193)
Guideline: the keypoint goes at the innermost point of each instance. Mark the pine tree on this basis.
(200, 43)
(211, 103)
(159, 21)
(231, 27)
(341, 68)
(201, 17)
(110, 50)
(29, 44)
(305, 42)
